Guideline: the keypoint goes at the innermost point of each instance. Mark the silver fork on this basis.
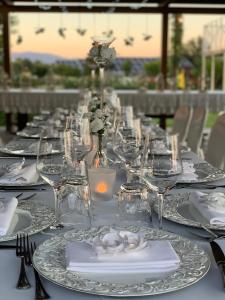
(23, 282)
(40, 292)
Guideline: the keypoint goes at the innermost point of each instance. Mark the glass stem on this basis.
(160, 209)
(56, 198)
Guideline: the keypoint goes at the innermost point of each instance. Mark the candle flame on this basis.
(101, 187)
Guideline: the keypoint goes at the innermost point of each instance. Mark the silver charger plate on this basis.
(49, 260)
(31, 132)
(29, 218)
(206, 173)
(6, 162)
(20, 147)
(177, 208)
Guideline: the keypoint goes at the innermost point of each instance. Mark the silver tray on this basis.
(206, 173)
(29, 218)
(177, 208)
(49, 260)
(20, 147)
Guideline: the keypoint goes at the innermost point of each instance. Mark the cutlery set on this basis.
(25, 250)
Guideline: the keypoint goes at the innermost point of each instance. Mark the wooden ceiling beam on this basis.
(158, 9)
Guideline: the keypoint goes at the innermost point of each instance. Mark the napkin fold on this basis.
(210, 206)
(27, 174)
(7, 211)
(156, 257)
(188, 172)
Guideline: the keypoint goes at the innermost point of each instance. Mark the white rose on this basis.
(97, 125)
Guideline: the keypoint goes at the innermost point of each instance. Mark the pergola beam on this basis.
(78, 9)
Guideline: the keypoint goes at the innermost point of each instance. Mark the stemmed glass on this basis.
(161, 168)
(78, 143)
(51, 167)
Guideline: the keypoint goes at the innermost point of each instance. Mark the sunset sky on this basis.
(75, 46)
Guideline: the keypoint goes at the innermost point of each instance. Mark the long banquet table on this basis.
(151, 102)
(210, 287)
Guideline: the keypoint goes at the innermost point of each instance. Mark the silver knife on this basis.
(219, 258)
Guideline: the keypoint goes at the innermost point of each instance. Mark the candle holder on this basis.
(101, 182)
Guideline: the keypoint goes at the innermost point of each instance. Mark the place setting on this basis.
(28, 147)
(112, 179)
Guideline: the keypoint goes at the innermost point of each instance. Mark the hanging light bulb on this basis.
(39, 29)
(129, 40)
(61, 32)
(62, 29)
(19, 39)
(81, 31)
(146, 35)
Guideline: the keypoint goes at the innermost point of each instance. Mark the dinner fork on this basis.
(23, 282)
(40, 292)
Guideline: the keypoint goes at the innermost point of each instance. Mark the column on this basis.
(203, 77)
(6, 42)
(164, 46)
(212, 81)
(223, 86)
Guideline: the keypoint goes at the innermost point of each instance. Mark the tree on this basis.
(152, 68)
(127, 67)
(176, 42)
(67, 70)
(192, 50)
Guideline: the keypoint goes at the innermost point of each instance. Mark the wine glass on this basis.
(161, 168)
(51, 167)
(78, 143)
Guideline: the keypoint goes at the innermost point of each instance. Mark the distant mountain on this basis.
(46, 58)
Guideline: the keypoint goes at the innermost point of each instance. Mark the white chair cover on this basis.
(215, 153)
(195, 132)
(182, 119)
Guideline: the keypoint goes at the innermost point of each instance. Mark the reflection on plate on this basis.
(29, 219)
(206, 173)
(49, 260)
(25, 147)
(177, 208)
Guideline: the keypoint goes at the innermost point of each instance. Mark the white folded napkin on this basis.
(27, 174)
(210, 206)
(7, 210)
(155, 257)
(188, 172)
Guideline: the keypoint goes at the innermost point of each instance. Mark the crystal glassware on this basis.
(51, 166)
(161, 167)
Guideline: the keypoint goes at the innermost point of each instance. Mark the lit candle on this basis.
(93, 75)
(101, 188)
(101, 74)
(101, 181)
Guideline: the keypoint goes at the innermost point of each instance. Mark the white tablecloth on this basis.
(151, 102)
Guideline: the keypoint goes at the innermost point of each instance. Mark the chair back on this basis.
(195, 132)
(215, 153)
(181, 123)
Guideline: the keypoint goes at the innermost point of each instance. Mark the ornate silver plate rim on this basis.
(170, 211)
(211, 174)
(49, 261)
(42, 218)
(20, 152)
(24, 134)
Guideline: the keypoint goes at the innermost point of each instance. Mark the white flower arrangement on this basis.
(100, 53)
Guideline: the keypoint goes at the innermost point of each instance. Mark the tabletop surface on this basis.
(208, 288)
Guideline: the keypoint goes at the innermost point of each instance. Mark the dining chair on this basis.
(195, 131)
(215, 153)
(182, 119)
